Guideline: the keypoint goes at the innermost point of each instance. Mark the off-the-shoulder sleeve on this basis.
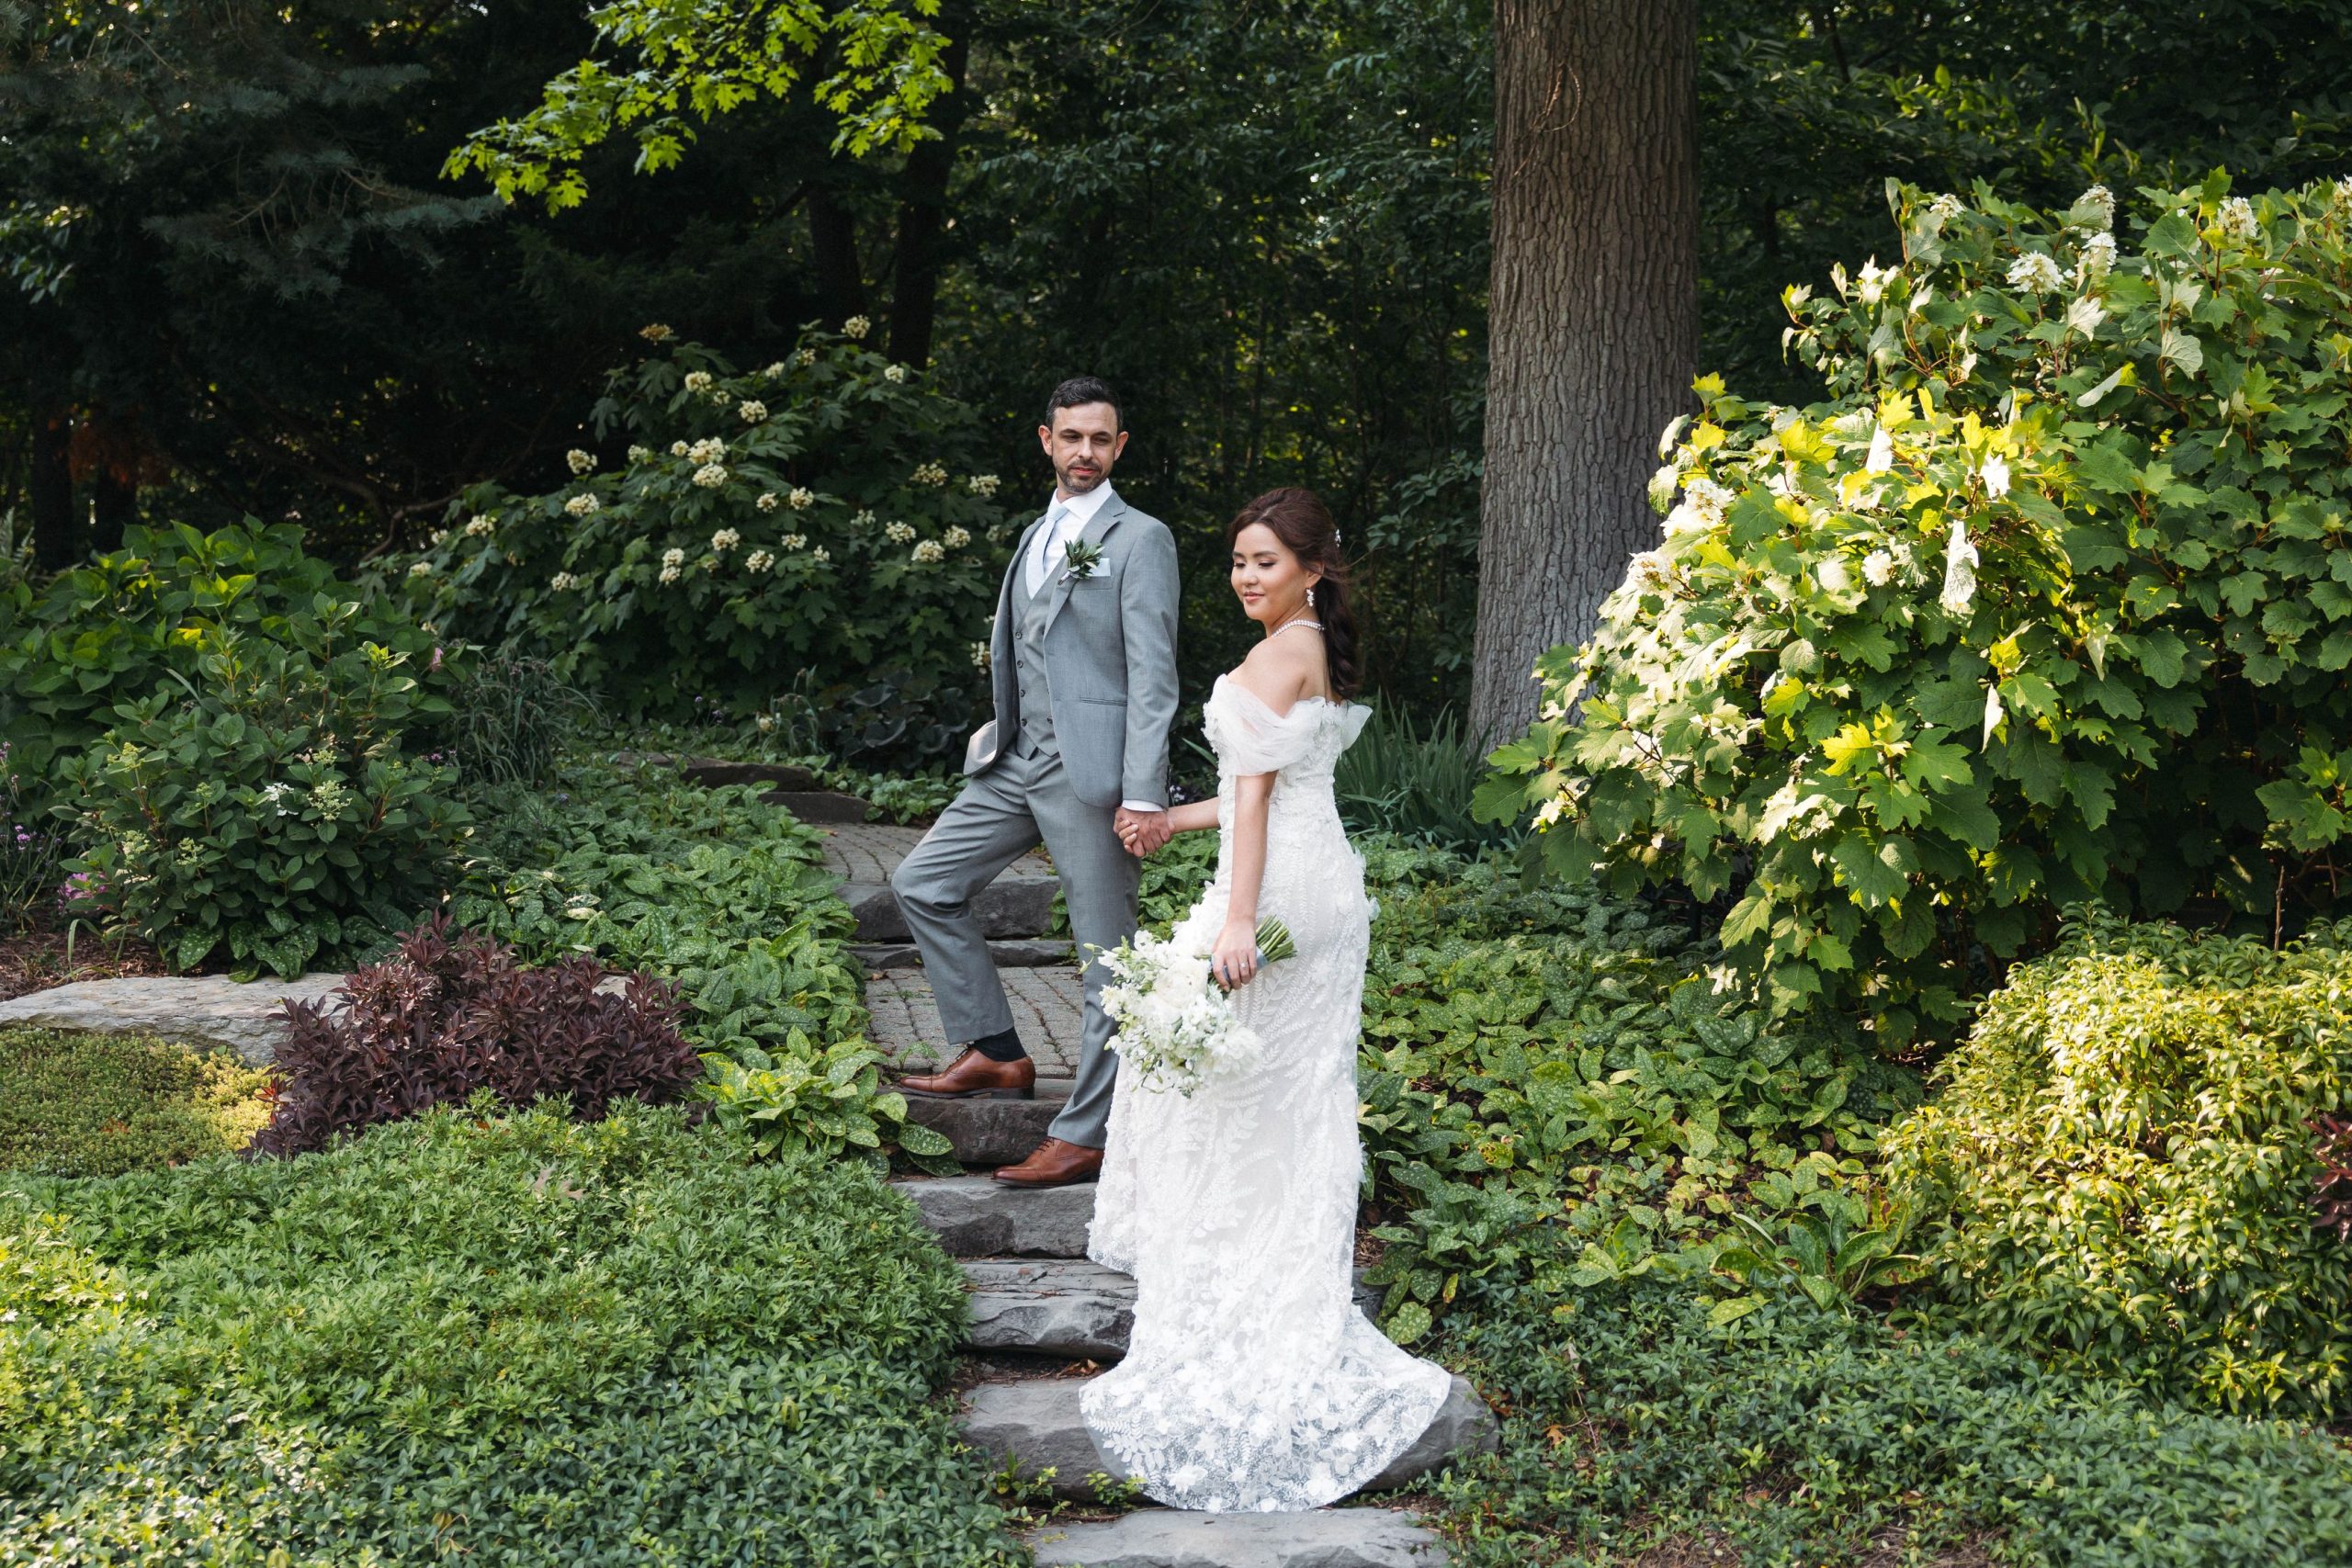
(1251, 738)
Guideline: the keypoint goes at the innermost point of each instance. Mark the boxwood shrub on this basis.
(2121, 1169)
(509, 1338)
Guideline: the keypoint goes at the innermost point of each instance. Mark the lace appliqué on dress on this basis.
(1251, 1380)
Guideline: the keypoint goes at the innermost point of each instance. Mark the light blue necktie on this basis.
(1041, 564)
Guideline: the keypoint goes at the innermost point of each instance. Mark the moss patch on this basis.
(76, 1104)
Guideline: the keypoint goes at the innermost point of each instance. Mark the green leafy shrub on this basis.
(828, 1101)
(2120, 1168)
(450, 1016)
(124, 626)
(511, 718)
(2047, 602)
(1414, 780)
(1640, 1431)
(506, 1337)
(268, 816)
(32, 847)
(821, 514)
(74, 1104)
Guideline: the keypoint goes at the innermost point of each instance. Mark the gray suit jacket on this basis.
(1109, 661)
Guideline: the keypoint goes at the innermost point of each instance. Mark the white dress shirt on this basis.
(1077, 512)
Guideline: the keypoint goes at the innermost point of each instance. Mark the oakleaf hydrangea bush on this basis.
(733, 527)
(2049, 599)
(2121, 1169)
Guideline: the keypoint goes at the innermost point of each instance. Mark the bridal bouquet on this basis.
(1173, 1021)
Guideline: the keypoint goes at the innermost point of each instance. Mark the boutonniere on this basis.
(1082, 558)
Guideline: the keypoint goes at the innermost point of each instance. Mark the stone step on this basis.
(1160, 1538)
(818, 805)
(1016, 952)
(1010, 907)
(713, 772)
(977, 1217)
(993, 1132)
(1066, 1306)
(1038, 1423)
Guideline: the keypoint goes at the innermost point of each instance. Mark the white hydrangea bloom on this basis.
(1878, 569)
(1947, 206)
(769, 500)
(583, 506)
(752, 411)
(2097, 207)
(2238, 222)
(795, 541)
(982, 484)
(957, 539)
(1959, 570)
(697, 381)
(709, 450)
(930, 553)
(421, 569)
(930, 474)
(438, 537)
(856, 327)
(773, 371)
(1648, 570)
(898, 532)
(669, 574)
(1872, 283)
(805, 357)
(894, 374)
(2036, 274)
(563, 582)
(722, 397)
(821, 554)
(758, 561)
(479, 526)
(2098, 259)
(680, 449)
(580, 462)
(657, 333)
(862, 520)
(724, 540)
(710, 476)
(673, 557)
(802, 499)
(1711, 500)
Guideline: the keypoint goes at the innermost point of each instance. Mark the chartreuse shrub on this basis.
(2120, 1168)
(126, 624)
(729, 898)
(266, 815)
(737, 526)
(2049, 599)
(1638, 1430)
(76, 1104)
(506, 1339)
(1553, 1089)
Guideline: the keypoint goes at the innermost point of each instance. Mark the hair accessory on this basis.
(1335, 536)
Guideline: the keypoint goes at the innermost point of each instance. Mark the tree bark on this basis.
(832, 234)
(57, 539)
(922, 210)
(1593, 318)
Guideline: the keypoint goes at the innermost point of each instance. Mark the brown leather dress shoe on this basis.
(974, 1077)
(1055, 1164)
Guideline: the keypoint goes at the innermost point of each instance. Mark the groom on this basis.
(1083, 660)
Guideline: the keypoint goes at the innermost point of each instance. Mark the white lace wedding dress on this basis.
(1251, 1380)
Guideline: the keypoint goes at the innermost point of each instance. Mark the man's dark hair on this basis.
(1079, 391)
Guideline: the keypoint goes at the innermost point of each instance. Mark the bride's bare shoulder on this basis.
(1281, 671)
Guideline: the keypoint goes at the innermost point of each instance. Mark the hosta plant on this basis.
(265, 816)
(733, 527)
(828, 1101)
(2049, 599)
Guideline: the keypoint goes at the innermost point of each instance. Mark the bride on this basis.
(1251, 1381)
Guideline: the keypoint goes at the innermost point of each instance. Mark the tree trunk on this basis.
(1593, 318)
(57, 536)
(922, 212)
(832, 234)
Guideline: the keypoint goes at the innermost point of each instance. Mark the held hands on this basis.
(1234, 960)
(1144, 832)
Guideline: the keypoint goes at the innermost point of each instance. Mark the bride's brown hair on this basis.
(1301, 521)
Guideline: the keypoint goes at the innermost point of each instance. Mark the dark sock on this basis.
(1004, 1045)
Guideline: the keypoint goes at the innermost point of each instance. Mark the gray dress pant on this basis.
(1000, 816)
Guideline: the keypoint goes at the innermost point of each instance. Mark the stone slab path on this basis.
(1047, 1009)
(1337, 1538)
(203, 1010)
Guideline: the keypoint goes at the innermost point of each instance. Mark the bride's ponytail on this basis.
(1303, 522)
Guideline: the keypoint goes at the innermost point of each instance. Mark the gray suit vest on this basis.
(1029, 659)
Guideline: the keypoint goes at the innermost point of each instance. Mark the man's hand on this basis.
(1144, 832)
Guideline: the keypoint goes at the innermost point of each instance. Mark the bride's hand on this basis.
(1234, 959)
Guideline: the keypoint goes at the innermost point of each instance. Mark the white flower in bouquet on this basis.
(1173, 1025)
(710, 476)
(930, 553)
(583, 506)
(580, 462)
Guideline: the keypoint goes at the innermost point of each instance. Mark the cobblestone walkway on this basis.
(867, 853)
